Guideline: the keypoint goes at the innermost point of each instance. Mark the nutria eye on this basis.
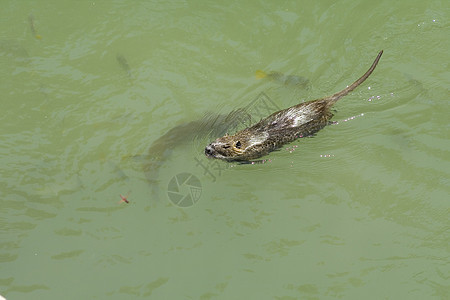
(238, 145)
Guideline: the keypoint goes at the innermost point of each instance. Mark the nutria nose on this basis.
(209, 150)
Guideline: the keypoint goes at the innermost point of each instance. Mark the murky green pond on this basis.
(109, 98)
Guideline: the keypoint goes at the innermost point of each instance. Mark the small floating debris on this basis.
(123, 63)
(124, 199)
(33, 27)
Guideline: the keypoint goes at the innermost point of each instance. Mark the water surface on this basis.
(88, 88)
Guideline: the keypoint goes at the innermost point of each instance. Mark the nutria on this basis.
(281, 127)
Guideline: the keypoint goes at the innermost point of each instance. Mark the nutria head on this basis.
(239, 147)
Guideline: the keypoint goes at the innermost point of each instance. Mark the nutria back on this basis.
(281, 127)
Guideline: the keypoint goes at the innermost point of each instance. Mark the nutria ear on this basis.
(226, 134)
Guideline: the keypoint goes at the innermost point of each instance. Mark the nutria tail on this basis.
(332, 99)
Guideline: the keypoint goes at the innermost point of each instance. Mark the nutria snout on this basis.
(209, 150)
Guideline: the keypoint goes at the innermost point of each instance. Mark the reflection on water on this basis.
(293, 81)
(211, 125)
(13, 49)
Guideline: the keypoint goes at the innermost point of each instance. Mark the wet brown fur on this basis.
(281, 127)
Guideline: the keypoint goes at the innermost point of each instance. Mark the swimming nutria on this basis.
(282, 127)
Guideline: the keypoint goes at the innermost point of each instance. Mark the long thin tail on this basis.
(332, 99)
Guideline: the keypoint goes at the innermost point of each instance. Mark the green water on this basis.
(360, 211)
